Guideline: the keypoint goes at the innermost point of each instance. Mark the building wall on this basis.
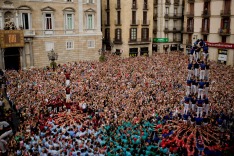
(79, 35)
(215, 24)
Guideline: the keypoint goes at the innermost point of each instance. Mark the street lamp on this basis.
(52, 57)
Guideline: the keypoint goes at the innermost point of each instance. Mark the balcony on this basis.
(117, 6)
(117, 41)
(107, 23)
(176, 2)
(191, 1)
(107, 8)
(145, 22)
(29, 33)
(134, 6)
(188, 42)
(205, 14)
(177, 40)
(166, 16)
(155, 30)
(145, 7)
(189, 30)
(118, 23)
(224, 32)
(190, 14)
(168, 2)
(172, 30)
(225, 13)
(155, 17)
(135, 22)
(139, 41)
(173, 16)
(205, 31)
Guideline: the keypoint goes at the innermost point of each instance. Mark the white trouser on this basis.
(196, 72)
(67, 82)
(202, 74)
(69, 111)
(68, 96)
(193, 107)
(194, 89)
(188, 89)
(186, 108)
(206, 91)
(207, 74)
(205, 55)
(190, 74)
(55, 109)
(199, 111)
(197, 56)
(207, 107)
(190, 58)
(200, 93)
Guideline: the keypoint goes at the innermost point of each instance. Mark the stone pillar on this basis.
(80, 13)
(98, 15)
(2, 66)
(23, 56)
(31, 54)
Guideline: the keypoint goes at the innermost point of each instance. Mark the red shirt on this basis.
(68, 90)
(67, 75)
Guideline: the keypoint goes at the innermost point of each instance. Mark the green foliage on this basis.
(53, 64)
(102, 58)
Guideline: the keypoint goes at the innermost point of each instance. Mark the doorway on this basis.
(12, 59)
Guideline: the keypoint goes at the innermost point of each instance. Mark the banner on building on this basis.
(222, 56)
(11, 38)
(221, 45)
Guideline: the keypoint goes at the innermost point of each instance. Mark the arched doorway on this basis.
(12, 59)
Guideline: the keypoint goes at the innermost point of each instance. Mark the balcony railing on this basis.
(168, 2)
(189, 30)
(155, 30)
(172, 30)
(135, 22)
(145, 7)
(118, 22)
(205, 31)
(188, 42)
(117, 6)
(107, 7)
(139, 41)
(206, 13)
(134, 6)
(176, 40)
(145, 22)
(29, 33)
(117, 41)
(225, 13)
(176, 2)
(224, 32)
(190, 14)
(191, 1)
(155, 16)
(107, 23)
(173, 16)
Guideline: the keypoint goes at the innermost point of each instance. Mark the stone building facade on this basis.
(72, 28)
(127, 26)
(213, 22)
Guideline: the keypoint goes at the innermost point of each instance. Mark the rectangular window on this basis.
(144, 17)
(118, 17)
(133, 17)
(25, 21)
(48, 21)
(90, 22)
(90, 1)
(145, 33)
(69, 21)
(175, 11)
(133, 35)
(167, 10)
(69, 45)
(166, 24)
(91, 44)
(69, 0)
(49, 46)
(118, 34)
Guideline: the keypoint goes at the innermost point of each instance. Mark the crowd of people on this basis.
(124, 106)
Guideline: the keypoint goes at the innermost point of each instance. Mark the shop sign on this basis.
(221, 45)
(160, 40)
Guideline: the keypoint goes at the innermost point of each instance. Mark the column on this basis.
(80, 13)
(23, 56)
(31, 54)
(98, 15)
(2, 58)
